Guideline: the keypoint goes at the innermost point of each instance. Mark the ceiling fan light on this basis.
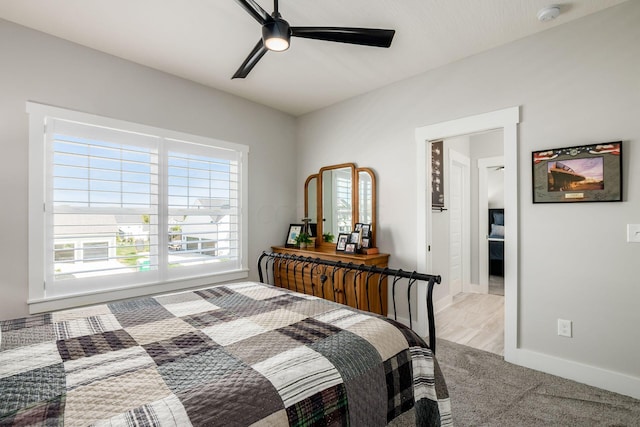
(276, 44)
(276, 35)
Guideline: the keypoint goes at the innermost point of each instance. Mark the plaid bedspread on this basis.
(242, 354)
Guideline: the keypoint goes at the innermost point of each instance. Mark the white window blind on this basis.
(128, 205)
(102, 202)
(203, 207)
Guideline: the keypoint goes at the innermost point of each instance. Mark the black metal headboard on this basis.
(326, 271)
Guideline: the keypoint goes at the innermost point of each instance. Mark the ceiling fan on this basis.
(276, 33)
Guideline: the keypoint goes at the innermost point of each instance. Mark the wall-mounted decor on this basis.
(589, 173)
(437, 175)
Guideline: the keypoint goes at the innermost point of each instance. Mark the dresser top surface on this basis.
(329, 252)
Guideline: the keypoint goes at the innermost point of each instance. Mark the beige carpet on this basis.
(487, 391)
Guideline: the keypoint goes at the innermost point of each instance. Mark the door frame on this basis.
(506, 119)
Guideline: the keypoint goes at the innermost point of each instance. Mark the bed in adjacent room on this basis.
(236, 354)
(496, 242)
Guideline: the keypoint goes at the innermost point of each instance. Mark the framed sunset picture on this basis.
(589, 173)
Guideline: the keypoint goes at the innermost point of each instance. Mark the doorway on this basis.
(507, 120)
(495, 230)
(490, 196)
(475, 315)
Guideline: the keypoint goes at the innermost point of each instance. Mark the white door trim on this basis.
(508, 120)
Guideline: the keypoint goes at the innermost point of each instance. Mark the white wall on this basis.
(578, 83)
(495, 188)
(48, 70)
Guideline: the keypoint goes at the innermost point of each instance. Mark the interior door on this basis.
(456, 204)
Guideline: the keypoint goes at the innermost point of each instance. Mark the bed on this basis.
(241, 354)
(496, 242)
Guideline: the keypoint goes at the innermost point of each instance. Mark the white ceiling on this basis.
(206, 40)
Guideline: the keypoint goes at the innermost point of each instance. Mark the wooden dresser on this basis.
(345, 290)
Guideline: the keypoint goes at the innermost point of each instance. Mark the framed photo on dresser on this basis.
(350, 248)
(341, 244)
(294, 231)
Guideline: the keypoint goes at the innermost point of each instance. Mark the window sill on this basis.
(42, 305)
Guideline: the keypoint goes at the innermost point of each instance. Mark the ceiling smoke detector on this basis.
(548, 13)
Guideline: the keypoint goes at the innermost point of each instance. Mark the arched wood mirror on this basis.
(338, 197)
(310, 198)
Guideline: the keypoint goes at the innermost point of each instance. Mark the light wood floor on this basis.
(475, 320)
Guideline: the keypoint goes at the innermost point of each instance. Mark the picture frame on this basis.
(358, 226)
(437, 174)
(366, 242)
(587, 173)
(350, 248)
(341, 244)
(294, 231)
(355, 237)
(366, 230)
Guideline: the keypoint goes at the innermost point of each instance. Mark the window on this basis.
(128, 205)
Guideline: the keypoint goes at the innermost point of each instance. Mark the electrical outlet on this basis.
(564, 328)
(633, 233)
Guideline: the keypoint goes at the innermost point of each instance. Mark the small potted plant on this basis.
(302, 240)
(312, 242)
(328, 237)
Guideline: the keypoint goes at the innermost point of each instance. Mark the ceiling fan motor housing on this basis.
(276, 34)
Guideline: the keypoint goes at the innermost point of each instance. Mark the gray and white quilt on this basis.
(242, 354)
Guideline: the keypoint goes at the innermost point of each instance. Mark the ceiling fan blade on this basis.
(363, 36)
(258, 52)
(254, 9)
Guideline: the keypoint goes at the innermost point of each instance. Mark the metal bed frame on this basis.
(326, 270)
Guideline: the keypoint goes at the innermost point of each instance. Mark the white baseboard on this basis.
(442, 303)
(473, 288)
(597, 377)
(403, 320)
(576, 371)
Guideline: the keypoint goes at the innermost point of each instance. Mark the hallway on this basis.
(475, 320)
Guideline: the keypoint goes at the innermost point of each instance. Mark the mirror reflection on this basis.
(365, 196)
(337, 200)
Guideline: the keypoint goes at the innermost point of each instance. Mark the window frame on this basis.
(38, 300)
